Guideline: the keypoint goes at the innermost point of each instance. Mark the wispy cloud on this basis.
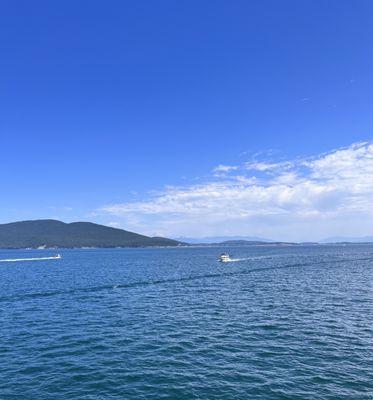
(222, 171)
(225, 168)
(303, 199)
(264, 166)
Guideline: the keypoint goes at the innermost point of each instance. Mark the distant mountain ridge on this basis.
(235, 243)
(253, 243)
(346, 239)
(220, 239)
(53, 233)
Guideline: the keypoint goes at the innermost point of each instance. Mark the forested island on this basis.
(57, 234)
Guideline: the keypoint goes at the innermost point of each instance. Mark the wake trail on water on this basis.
(27, 259)
(248, 259)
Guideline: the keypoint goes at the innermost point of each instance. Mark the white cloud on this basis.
(294, 200)
(267, 166)
(225, 168)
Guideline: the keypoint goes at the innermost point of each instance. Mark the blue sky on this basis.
(109, 109)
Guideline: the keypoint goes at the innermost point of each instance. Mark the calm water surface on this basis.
(282, 323)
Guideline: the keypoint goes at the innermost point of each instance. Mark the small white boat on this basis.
(57, 256)
(224, 257)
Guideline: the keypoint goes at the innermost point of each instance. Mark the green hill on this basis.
(51, 233)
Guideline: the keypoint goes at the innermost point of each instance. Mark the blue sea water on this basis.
(281, 323)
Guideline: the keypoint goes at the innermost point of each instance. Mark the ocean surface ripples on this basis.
(280, 323)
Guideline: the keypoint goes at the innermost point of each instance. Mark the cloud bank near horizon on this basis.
(303, 199)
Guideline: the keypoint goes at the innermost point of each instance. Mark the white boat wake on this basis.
(31, 259)
(248, 258)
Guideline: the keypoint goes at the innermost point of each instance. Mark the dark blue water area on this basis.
(174, 323)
